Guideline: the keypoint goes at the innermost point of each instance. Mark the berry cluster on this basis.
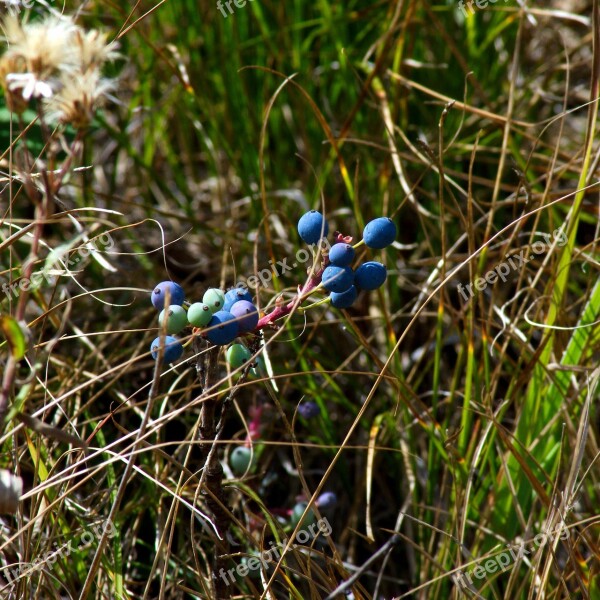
(220, 318)
(223, 316)
(338, 277)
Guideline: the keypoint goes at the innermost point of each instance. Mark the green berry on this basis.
(214, 298)
(176, 318)
(297, 511)
(237, 355)
(240, 460)
(199, 314)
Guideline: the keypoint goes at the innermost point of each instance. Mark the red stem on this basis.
(282, 311)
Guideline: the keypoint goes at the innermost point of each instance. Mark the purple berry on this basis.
(326, 501)
(159, 295)
(344, 299)
(222, 328)
(370, 275)
(337, 279)
(235, 295)
(309, 409)
(312, 226)
(379, 233)
(341, 255)
(246, 315)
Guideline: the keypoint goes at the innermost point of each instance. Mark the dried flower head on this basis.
(44, 47)
(94, 50)
(58, 62)
(79, 97)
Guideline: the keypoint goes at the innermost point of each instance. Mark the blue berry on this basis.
(246, 315)
(370, 275)
(199, 314)
(159, 295)
(222, 328)
(309, 409)
(341, 255)
(240, 460)
(344, 299)
(235, 295)
(173, 349)
(326, 501)
(237, 355)
(312, 226)
(214, 298)
(176, 318)
(337, 279)
(379, 233)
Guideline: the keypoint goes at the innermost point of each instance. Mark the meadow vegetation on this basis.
(404, 447)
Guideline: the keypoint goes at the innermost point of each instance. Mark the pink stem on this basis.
(282, 311)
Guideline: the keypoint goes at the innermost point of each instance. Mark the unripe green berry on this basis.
(237, 355)
(239, 459)
(199, 314)
(214, 298)
(176, 318)
(297, 511)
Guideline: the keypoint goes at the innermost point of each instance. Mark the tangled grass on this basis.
(449, 428)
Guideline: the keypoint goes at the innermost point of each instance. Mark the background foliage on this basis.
(449, 428)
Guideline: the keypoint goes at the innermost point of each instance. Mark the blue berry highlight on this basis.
(246, 315)
(309, 409)
(173, 349)
(370, 275)
(312, 226)
(337, 279)
(199, 314)
(237, 355)
(214, 298)
(379, 233)
(222, 328)
(176, 318)
(235, 295)
(159, 294)
(341, 255)
(326, 501)
(344, 299)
